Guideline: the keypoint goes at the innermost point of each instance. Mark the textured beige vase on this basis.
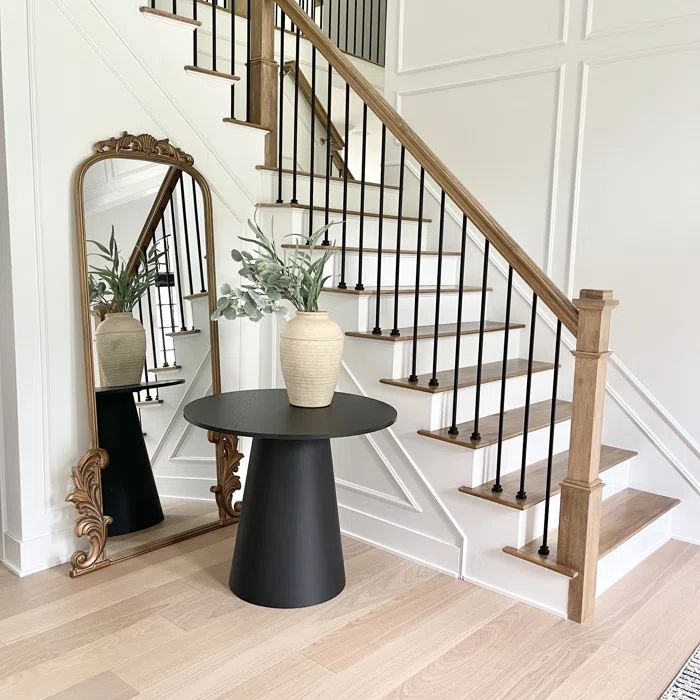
(121, 349)
(311, 351)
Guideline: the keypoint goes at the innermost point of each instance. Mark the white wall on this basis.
(71, 78)
(576, 123)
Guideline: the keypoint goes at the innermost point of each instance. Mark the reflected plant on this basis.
(298, 279)
(113, 288)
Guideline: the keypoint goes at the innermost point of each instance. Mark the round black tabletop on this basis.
(130, 388)
(266, 413)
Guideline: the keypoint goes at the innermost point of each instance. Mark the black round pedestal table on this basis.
(288, 552)
(129, 492)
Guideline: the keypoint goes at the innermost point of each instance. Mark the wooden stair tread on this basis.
(242, 122)
(490, 372)
(385, 251)
(172, 368)
(152, 402)
(536, 478)
(444, 330)
(513, 420)
(332, 210)
(322, 176)
(212, 73)
(389, 291)
(176, 334)
(169, 15)
(198, 295)
(622, 516)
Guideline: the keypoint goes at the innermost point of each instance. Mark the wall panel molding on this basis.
(402, 69)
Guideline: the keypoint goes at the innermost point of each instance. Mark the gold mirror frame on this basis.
(92, 522)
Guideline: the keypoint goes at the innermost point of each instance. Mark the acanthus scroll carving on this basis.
(87, 498)
(228, 459)
(145, 144)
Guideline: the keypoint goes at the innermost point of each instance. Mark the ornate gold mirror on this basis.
(146, 266)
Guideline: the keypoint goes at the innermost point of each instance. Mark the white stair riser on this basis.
(359, 312)
(476, 467)
(613, 566)
(407, 270)
(490, 401)
(394, 359)
(270, 189)
(532, 525)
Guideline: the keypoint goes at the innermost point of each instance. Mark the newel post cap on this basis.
(596, 299)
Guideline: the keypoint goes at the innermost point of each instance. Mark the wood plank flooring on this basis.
(165, 625)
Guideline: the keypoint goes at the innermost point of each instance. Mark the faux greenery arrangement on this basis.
(299, 279)
(113, 289)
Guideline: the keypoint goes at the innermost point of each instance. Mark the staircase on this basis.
(497, 449)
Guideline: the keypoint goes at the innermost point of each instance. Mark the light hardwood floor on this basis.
(166, 626)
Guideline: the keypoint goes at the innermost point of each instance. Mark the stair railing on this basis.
(172, 228)
(587, 319)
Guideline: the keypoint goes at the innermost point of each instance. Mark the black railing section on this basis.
(439, 284)
(163, 311)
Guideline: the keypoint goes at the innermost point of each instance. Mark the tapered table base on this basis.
(288, 552)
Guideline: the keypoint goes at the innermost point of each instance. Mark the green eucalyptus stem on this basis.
(298, 279)
(112, 286)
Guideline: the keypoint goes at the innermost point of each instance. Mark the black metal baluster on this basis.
(247, 64)
(295, 165)
(337, 28)
(186, 229)
(213, 34)
(454, 430)
(433, 379)
(280, 134)
(364, 21)
(166, 257)
(497, 488)
(233, 57)
(371, 29)
(160, 304)
(419, 243)
(359, 286)
(395, 330)
(544, 549)
(354, 40)
(200, 256)
(476, 435)
(522, 494)
(145, 368)
(176, 250)
(195, 58)
(377, 330)
(343, 284)
(379, 28)
(347, 23)
(152, 323)
(312, 166)
(328, 151)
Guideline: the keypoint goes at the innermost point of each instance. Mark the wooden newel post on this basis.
(581, 491)
(263, 74)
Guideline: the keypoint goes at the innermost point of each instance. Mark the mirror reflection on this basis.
(145, 240)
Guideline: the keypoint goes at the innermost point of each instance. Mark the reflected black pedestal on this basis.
(288, 551)
(129, 492)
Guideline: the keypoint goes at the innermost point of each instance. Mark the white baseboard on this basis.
(30, 556)
(403, 542)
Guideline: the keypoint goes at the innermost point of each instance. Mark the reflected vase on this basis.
(121, 349)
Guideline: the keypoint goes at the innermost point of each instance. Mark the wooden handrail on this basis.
(172, 177)
(320, 113)
(522, 263)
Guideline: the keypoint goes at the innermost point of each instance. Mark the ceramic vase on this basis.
(311, 352)
(121, 349)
